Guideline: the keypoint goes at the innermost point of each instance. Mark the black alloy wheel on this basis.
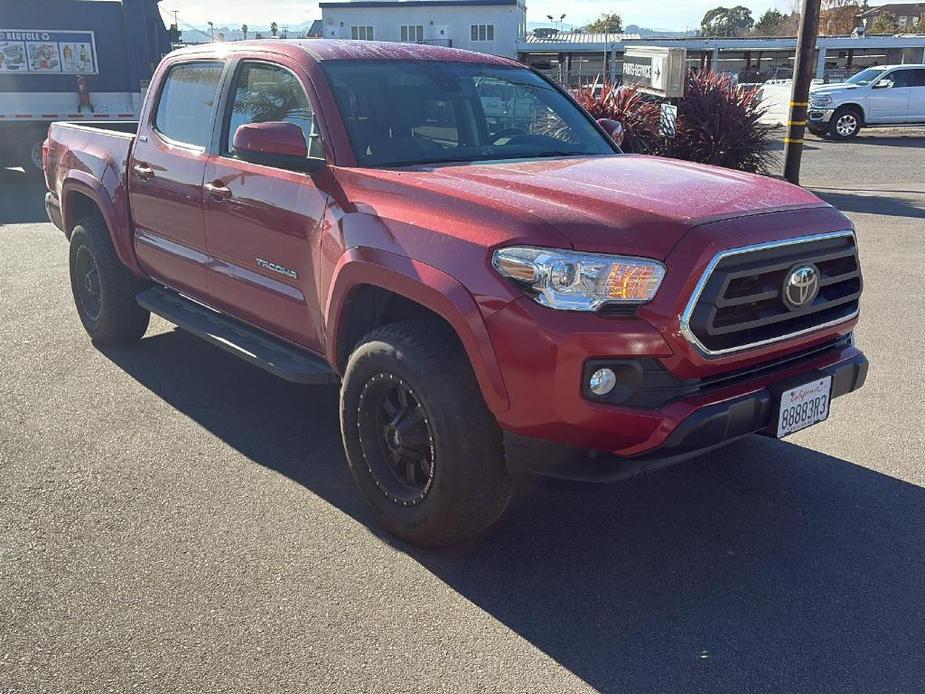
(397, 439)
(87, 283)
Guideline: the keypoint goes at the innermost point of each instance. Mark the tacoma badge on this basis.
(267, 265)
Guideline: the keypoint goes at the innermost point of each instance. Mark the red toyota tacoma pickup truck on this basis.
(450, 237)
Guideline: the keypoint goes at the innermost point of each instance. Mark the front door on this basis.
(889, 98)
(917, 97)
(165, 177)
(262, 223)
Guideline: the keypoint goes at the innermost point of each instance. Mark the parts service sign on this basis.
(40, 52)
(658, 71)
(646, 71)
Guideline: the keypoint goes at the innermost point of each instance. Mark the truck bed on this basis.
(92, 159)
(91, 148)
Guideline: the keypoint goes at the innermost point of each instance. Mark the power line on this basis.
(177, 21)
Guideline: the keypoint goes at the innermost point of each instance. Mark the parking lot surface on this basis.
(173, 519)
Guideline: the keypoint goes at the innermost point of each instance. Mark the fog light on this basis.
(602, 381)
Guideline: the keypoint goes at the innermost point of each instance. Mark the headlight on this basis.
(820, 100)
(575, 281)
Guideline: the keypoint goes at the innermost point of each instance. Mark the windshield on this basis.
(420, 112)
(865, 77)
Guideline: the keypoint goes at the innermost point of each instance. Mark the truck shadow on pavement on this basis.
(23, 200)
(891, 138)
(884, 202)
(765, 566)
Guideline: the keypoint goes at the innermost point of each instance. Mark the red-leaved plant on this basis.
(625, 103)
(718, 122)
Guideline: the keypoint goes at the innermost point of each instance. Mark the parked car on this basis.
(490, 301)
(882, 96)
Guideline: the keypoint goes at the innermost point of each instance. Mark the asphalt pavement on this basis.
(173, 519)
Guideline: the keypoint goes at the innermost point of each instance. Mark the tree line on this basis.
(837, 17)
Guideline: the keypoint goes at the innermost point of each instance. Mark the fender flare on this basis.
(425, 285)
(116, 219)
(857, 107)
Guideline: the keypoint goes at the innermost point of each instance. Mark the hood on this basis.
(832, 88)
(617, 204)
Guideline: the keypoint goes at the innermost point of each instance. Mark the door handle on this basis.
(218, 191)
(143, 171)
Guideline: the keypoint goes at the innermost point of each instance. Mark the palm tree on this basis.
(211, 31)
(244, 31)
(274, 27)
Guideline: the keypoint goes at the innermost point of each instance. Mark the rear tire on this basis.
(104, 290)
(420, 442)
(845, 123)
(30, 156)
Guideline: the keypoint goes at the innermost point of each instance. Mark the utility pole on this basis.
(799, 98)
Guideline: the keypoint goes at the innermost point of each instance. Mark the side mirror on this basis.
(612, 127)
(274, 143)
(883, 84)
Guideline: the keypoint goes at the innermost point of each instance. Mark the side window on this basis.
(482, 32)
(900, 78)
(412, 32)
(264, 92)
(918, 78)
(184, 108)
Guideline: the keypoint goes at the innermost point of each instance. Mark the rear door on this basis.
(262, 223)
(165, 176)
(889, 98)
(917, 96)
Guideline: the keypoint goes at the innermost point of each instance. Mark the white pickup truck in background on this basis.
(881, 96)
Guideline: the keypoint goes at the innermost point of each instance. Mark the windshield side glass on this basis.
(399, 113)
(865, 77)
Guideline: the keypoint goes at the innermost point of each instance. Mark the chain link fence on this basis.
(785, 72)
(588, 75)
(583, 76)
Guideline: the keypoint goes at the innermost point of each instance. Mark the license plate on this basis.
(804, 406)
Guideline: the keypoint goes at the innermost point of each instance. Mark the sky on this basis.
(657, 14)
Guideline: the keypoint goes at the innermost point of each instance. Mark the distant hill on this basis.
(197, 33)
(646, 32)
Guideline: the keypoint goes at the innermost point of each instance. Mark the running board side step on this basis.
(252, 345)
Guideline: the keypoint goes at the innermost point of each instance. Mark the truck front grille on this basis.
(740, 301)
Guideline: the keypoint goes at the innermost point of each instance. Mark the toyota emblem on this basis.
(801, 286)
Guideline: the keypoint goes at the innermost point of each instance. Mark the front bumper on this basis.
(544, 375)
(819, 116)
(709, 425)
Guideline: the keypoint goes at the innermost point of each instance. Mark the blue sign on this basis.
(36, 52)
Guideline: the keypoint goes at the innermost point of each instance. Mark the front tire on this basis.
(420, 442)
(104, 290)
(845, 123)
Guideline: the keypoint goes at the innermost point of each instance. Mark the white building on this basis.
(487, 26)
